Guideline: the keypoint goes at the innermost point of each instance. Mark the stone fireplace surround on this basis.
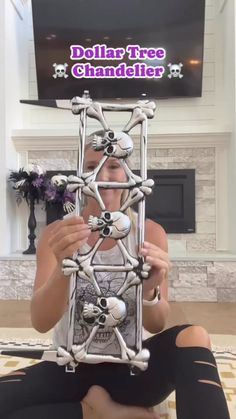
(202, 269)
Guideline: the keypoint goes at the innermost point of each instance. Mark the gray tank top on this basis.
(105, 340)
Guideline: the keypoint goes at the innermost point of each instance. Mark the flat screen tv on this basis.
(154, 48)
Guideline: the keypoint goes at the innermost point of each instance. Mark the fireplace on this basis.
(172, 203)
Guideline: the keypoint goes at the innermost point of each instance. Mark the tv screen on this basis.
(119, 48)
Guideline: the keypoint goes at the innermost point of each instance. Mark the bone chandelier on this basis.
(103, 311)
(108, 311)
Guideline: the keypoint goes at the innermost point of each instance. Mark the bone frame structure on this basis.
(109, 310)
(110, 224)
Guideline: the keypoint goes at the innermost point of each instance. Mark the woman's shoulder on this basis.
(155, 233)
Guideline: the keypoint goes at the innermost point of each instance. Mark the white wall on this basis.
(3, 228)
(13, 79)
(226, 24)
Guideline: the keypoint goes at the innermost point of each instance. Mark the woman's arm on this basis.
(155, 251)
(51, 289)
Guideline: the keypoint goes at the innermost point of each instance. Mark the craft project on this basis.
(103, 311)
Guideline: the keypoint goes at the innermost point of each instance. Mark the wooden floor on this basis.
(217, 318)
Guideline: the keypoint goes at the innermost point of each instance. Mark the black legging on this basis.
(47, 391)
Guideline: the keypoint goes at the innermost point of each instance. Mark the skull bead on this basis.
(111, 224)
(59, 180)
(107, 312)
(114, 144)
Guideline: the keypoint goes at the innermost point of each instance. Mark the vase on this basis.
(31, 226)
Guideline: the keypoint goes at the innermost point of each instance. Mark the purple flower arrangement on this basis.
(31, 182)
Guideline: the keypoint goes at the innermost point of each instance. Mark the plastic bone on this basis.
(146, 268)
(148, 106)
(83, 264)
(80, 351)
(95, 111)
(69, 266)
(131, 279)
(134, 197)
(87, 273)
(138, 116)
(92, 190)
(132, 260)
(74, 183)
(111, 224)
(135, 179)
(68, 207)
(91, 176)
(78, 104)
(146, 186)
(137, 194)
(140, 359)
(81, 103)
(64, 357)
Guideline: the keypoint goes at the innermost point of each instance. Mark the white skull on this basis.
(32, 167)
(108, 312)
(114, 144)
(59, 180)
(175, 70)
(60, 70)
(111, 224)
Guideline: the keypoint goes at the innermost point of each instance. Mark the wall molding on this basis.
(29, 140)
(19, 8)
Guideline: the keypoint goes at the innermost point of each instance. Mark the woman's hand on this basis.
(160, 263)
(68, 236)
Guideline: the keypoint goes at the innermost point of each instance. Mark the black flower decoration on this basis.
(29, 183)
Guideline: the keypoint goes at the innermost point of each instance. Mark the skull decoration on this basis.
(33, 167)
(109, 311)
(112, 224)
(175, 70)
(114, 144)
(59, 180)
(60, 70)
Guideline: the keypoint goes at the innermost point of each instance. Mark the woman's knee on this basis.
(193, 336)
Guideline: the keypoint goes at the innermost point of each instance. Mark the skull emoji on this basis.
(60, 70)
(59, 180)
(109, 311)
(114, 144)
(112, 224)
(175, 70)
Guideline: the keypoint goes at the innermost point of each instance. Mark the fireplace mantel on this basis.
(48, 139)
